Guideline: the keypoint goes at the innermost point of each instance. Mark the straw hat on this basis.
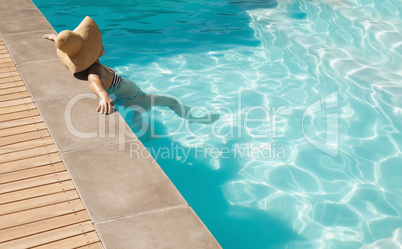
(79, 49)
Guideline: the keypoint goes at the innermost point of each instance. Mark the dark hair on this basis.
(83, 75)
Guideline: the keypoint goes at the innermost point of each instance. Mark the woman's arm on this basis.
(95, 84)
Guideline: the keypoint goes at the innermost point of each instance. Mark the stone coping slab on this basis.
(21, 46)
(22, 21)
(55, 83)
(171, 228)
(7, 5)
(114, 183)
(131, 195)
(74, 123)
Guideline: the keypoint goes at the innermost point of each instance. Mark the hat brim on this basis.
(90, 50)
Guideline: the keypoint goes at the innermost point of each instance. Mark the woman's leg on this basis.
(149, 101)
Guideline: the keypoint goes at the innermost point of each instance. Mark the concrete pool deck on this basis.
(130, 200)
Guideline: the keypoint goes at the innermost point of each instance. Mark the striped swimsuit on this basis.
(117, 80)
(117, 83)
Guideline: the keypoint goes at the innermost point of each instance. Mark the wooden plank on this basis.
(22, 129)
(8, 79)
(8, 69)
(13, 69)
(12, 96)
(50, 236)
(36, 191)
(16, 102)
(13, 90)
(8, 74)
(9, 62)
(23, 137)
(41, 213)
(34, 182)
(34, 152)
(40, 201)
(41, 141)
(20, 122)
(6, 63)
(72, 242)
(17, 108)
(27, 163)
(13, 148)
(11, 84)
(6, 59)
(96, 245)
(32, 172)
(6, 55)
(42, 226)
(19, 115)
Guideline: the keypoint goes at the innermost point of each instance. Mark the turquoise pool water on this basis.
(307, 151)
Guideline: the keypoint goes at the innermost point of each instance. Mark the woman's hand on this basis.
(51, 37)
(106, 105)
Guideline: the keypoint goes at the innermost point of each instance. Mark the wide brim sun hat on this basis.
(80, 48)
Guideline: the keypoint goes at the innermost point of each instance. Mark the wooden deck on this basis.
(39, 206)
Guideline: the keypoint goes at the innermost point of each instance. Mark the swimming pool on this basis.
(306, 153)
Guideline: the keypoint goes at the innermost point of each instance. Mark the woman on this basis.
(80, 50)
